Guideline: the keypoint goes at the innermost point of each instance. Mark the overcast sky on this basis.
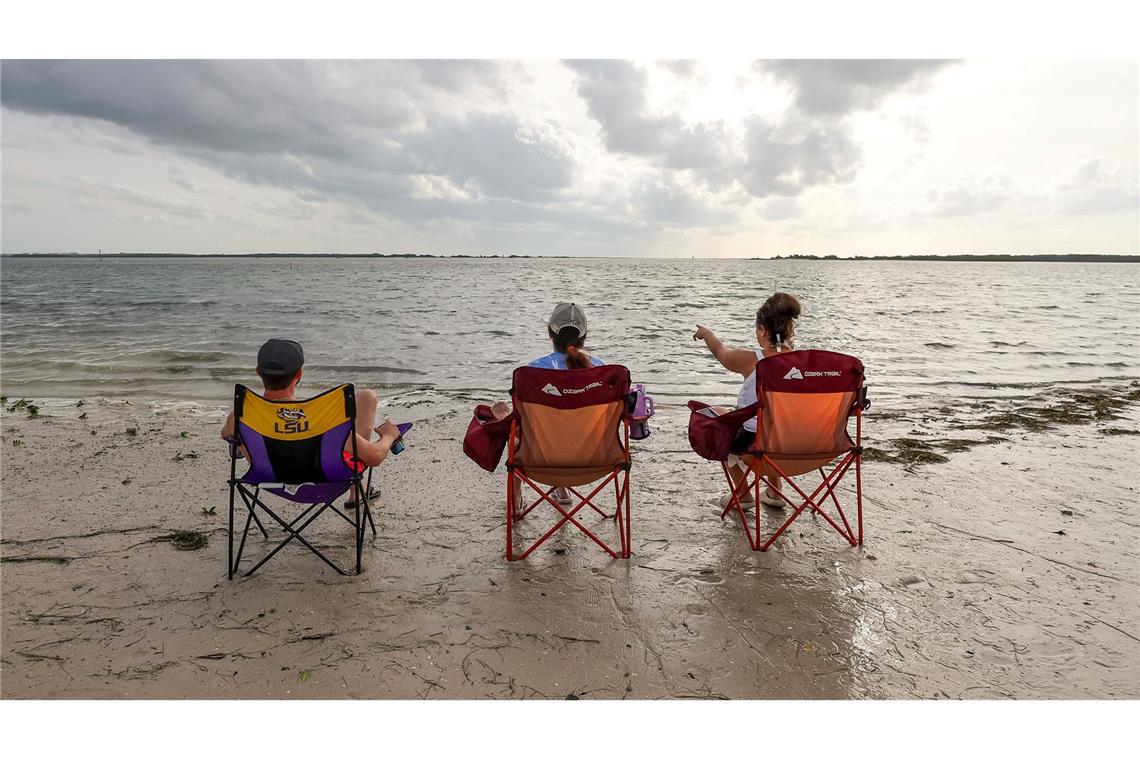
(640, 158)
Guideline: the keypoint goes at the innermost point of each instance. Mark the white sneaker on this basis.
(745, 501)
(775, 502)
(563, 497)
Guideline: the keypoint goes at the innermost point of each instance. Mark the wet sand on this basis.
(1008, 571)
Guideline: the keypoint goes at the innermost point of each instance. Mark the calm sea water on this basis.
(435, 335)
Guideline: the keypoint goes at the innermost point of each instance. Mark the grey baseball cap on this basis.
(568, 315)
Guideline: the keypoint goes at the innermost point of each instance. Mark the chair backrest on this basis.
(569, 422)
(296, 441)
(806, 398)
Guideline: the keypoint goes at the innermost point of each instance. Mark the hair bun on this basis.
(776, 314)
(784, 306)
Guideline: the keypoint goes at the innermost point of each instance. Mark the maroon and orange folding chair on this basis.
(569, 428)
(805, 400)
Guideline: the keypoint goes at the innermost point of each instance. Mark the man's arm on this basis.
(228, 428)
(373, 453)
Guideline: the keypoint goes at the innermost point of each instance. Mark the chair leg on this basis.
(628, 518)
(859, 493)
(260, 527)
(510, 514)
(244, 536)
(230, 536)
(360, 536)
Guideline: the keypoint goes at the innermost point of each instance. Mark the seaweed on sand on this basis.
(1070, 407)
(184, 540)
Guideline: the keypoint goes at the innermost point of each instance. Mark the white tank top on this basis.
(747, 395)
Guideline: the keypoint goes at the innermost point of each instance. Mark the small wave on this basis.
(939, 345)
(1007, 345)
(363, 368)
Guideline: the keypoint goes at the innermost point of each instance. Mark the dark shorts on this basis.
(742, 442)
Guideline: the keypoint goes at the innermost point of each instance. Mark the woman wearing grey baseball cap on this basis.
(567, 329)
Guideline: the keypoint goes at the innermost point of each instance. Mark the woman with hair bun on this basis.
(567, 331)
(775, 332)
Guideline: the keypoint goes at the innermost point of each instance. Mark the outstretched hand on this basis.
(702, 333)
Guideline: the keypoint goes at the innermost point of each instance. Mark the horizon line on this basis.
(1071, 257)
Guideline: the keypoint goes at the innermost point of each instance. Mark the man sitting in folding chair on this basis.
(304, 451)
(804, 402)
(569, 428)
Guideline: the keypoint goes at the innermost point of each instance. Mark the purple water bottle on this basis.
(642, 411)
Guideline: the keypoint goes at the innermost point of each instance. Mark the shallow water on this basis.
(433, 335)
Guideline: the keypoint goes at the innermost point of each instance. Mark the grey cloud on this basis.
(669, 202)
(146, 200)
(179, 178)
(836, 87)
(503, 157)
(785, 159)
(247, 106)
(681, 67)
(777, 157)
(970, 195)
(357, 131)
(614, 92)
(1093, 189)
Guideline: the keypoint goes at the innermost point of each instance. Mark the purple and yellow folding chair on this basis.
(296, 452)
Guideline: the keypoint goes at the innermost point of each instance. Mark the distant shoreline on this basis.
(997, 257)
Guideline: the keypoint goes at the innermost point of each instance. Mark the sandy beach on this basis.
(1009, 571)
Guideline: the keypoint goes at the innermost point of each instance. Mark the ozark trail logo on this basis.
(293, 421)
(795, 374)
(556, 392)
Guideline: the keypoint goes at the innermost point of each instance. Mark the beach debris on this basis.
(126, 481)
(83, 416)
(80, 403)
(1067, 512)
(185, 434)
(304, 675)
(184, 540)
(210, 511)
(910, 580)
(18, 405)
(17, 442)
(132, 431)
(188, 455)
(39, 558)
(1060, 532)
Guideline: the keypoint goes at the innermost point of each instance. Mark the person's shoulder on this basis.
(597, 360)
(543, 362)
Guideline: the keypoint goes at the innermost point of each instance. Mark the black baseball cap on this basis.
(280, 357)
